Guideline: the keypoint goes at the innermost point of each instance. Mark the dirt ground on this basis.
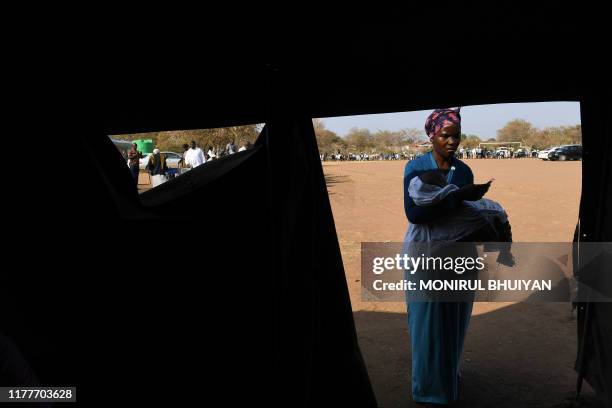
(144, 181)
(516, 354)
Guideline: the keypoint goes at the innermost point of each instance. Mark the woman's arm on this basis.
(422, 215)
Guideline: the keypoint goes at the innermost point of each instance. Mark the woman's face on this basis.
(446, 141)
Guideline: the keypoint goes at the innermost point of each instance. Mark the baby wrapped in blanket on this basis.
(482, 220)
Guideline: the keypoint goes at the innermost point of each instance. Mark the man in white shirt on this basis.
(231, 147)
(194, 156)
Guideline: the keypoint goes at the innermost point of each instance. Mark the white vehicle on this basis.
(172, 160)
(543, 154)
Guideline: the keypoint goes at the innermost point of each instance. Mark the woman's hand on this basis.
(473, 192)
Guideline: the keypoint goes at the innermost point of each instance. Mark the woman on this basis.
(438, 329)
(134, 157)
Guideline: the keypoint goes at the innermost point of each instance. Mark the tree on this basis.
(517, 130)
(359, 139)
(573, 134)
(412, 136)
(216, 138)
(470, 141)
(555, 136)
(318, 124)
(327, 141)
(384, 141)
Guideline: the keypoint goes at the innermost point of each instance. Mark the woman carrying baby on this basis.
(438, 329)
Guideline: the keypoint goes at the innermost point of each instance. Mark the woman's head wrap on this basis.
(440, 118)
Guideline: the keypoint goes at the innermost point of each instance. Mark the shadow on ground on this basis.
(520, 355)
(330, 179)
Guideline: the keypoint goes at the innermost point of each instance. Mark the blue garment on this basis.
(460, 176)
(437, 329)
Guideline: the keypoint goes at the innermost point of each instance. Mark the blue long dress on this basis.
(437, 329)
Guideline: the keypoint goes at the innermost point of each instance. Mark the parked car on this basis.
(172, 160)
(520, 153)
(567, 152)
(544, 153)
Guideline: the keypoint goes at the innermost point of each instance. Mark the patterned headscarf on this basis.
(440, 118)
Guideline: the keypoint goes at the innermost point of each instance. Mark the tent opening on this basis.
(180, 151)
(533, 152)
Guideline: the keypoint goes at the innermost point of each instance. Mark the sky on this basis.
(480, 120)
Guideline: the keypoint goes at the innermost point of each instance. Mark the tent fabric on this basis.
(291, 239)
(14, 368)
(267, 319)
(284, 335)
(594, 325)
(256, 302)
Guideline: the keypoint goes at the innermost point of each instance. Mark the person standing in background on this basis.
(194, 157)
(158, 168)
(181, 162)
(134, 157)
(211, 153)
(231, 147)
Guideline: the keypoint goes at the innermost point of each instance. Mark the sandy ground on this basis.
(144, 181)
(516, 354)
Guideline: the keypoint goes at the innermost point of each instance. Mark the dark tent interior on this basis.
(267, 318)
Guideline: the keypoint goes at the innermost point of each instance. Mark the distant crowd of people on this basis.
(192, 157)
(364, 156)
(462, 153)
(500, 153)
